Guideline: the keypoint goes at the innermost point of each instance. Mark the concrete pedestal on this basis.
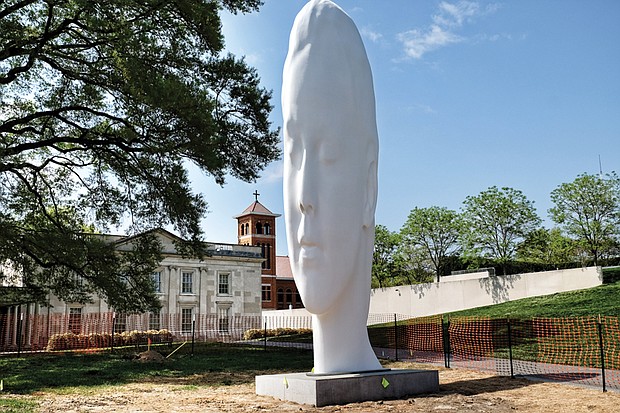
(324, 390)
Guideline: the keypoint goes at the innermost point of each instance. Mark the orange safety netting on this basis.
(563, 349)
(477, 342)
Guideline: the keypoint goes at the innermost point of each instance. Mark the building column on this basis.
(173, 278)
(26, 325)
(15, 324)
(202, 296)
(8, 326)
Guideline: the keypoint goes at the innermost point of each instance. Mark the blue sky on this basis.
(470, 94)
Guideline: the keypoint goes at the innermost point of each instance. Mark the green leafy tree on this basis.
(588, 209)
(384, 259)
(547, 246)
(75, 265)
(496, 221)
(436, 231)
(105, 104)
(415, 265)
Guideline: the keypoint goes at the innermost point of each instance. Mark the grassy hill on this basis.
(603, 300)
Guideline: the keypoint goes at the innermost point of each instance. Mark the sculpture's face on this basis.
(325, 184)
(330, 155)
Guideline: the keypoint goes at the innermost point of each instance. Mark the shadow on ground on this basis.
(483, 386)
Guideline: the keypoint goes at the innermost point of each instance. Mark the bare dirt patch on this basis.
(461, 391)
(150, 356)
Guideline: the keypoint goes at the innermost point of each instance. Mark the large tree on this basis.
(588, 209)
(414, 265)
(496, 221)
(548, 246)
(104, 105)
(436, 231)
(384, 257)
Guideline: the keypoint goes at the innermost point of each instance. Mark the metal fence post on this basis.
(112, 341)
(396, 337)
(602, 348)
(19, 333)
(445, 335)
(512, 372)
(193, 332)
(265, 336)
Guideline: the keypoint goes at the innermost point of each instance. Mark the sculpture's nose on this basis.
(307, 190)
(306, 206)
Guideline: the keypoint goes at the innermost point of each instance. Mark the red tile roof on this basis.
(283, 267)
(257, 208)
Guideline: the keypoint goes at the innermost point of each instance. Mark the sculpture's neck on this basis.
(340, 335)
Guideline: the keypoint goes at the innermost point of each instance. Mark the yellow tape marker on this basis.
(385, 383)
(285, 383)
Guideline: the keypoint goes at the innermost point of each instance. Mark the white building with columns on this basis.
(227, 280)
(226, 283)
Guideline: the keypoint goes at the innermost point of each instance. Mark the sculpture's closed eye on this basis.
(296, 155)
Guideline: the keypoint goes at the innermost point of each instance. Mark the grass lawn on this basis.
(211, 365)
(603, 300)
(10, 405)
(295, 338)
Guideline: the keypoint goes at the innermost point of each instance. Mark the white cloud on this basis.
(496, 37)
(370, 34)
(443, 31)
(417, 43)
(424, 109)
(273, 173)
(492, 8)
(253, 59)
(454, 14)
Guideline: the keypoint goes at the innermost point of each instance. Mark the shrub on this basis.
(70, 341)
(253, 334)
(256, 333)
(57, 342)
(165, 336)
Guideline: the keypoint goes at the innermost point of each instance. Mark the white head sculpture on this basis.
(330, 181)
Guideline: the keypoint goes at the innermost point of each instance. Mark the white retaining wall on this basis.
(454, 295)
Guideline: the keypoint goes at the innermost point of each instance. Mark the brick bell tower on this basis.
(256, 225)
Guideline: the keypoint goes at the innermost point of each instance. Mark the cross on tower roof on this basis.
(256, 194)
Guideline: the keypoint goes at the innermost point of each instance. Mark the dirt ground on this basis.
(460, 391)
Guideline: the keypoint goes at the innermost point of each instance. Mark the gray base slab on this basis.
(347, 388)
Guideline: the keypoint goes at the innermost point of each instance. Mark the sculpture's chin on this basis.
(320, 291)
(317, 307)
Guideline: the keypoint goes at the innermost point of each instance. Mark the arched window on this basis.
(267, 229)
(242, 229)
(268, 256)
(262, 251)
(247, 228)
(259, 228)
(289, 296)
(280, 297)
